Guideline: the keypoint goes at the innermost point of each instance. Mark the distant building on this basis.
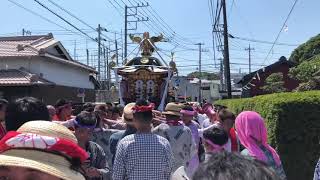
(188, 88)
(252, 83)
(40, 66)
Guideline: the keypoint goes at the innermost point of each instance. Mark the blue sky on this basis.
(253, 19)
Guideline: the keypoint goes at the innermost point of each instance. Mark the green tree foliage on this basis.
(307, 86)
(306, 74)
(304, 71)
(204, 75)
(306, 51)
(292, 120)
(274, 83)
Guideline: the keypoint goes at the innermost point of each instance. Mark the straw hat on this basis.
(127, 115)
(173, 109)
(56, 165)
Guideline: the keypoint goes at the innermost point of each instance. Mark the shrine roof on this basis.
(137, 61)
(134, 69)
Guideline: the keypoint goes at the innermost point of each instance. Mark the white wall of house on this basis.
(29, 63)
(59, 73)
(192, 89)
(66, 75)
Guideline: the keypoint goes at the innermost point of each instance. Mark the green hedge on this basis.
(293, 122)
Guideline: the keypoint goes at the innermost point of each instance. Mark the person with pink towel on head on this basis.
(252, 134)
(187, 115)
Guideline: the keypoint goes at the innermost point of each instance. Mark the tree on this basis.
(204, 75)
(274, 83)
(304, 71)
(306, 50)
(307, 56)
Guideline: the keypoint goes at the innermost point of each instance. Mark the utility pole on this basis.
(107, 61)
(226, 50)
(126, 21)
(122, 60)
(221, 75)
(125, 31)
(249, 50)
(87, 57)
(104, 66)
(99, 51)
(117, 56)
(26, 32)
(99, 39)
(87, 51)
(116, 45)
(200, 72)
(75, 50)
(108, 68)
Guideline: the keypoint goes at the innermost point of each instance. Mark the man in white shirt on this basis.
(178, 135)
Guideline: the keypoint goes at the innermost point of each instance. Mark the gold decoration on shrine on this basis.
(112, 64)
(144, 60)
(146, 43)
(172, 64)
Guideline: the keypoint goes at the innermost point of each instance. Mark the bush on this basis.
(293, 126)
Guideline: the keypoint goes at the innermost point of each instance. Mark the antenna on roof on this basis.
(26, 32)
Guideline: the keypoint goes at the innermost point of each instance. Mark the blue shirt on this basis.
(270, 162)
(116, 137)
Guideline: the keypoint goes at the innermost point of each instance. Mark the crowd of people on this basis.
(136, 142)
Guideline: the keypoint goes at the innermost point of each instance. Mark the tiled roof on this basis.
(283, 60)
(24, 45)
(35, 46)
(20, 77)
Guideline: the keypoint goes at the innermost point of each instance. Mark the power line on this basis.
(163, 26)
(238, 64)
(282, 27)
(231, 8)
(59, 30)
(42, 17)
(244, 20)
(284, 24)
(68, 12)
(66, 21)
(116, 8)
(210, 11)
(74, 16)
(169, 28)
(260, 41)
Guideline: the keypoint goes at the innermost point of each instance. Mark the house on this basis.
(252, 83)
(236, 91)
(40, 66)
(188, 88)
